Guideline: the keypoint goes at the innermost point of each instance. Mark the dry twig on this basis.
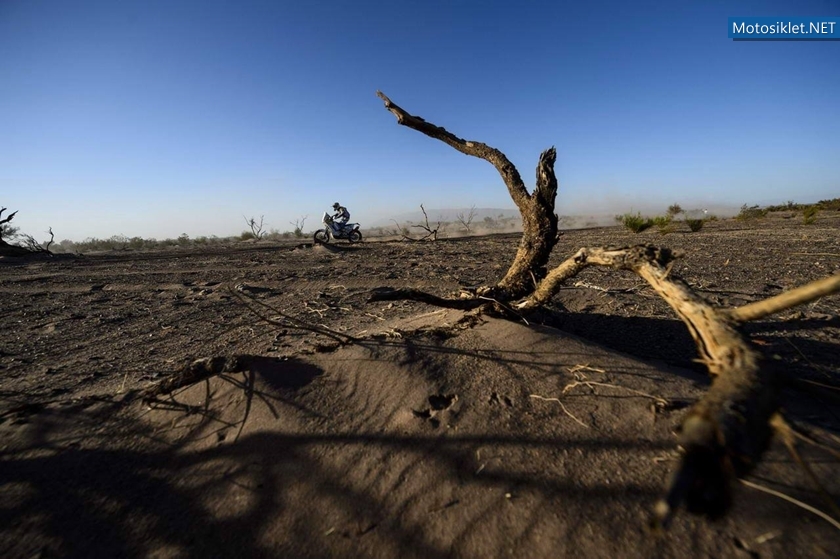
(591, 384)
(562, 407)
(796, 502)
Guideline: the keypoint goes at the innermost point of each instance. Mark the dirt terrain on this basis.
(430, 436)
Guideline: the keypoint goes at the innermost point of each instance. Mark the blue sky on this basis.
(158, 118)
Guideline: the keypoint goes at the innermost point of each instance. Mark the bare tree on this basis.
(298, 226)
(539, 222)
(466, 220)
(256, 227)
(724, 434)
(432, 233)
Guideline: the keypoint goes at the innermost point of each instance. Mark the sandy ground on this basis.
(432, 437)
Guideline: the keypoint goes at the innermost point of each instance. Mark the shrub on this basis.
(751, 212)
(674, 209)
(663, 224)
(809, 214)
(635, 223)
(832, 205)
(694, 224)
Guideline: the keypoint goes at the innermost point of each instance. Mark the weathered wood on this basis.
(388, 294)
(724, 434)
(539, 221)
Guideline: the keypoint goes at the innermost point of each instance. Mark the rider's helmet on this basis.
(336, 206)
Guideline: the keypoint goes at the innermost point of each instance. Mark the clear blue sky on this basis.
(154, 118)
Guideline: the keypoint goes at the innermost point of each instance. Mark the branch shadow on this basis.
(94, 480)
(99, 479)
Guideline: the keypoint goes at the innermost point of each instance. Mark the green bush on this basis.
(832, 205)
(694, 224)
(663, 223)
(809, 214)
(751, 212)
(674, 210)
(635, 223)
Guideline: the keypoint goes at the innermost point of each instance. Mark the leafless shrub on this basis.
(432, 233)
(256, 227)
(466, 220)
(30, 244)
(298, 226)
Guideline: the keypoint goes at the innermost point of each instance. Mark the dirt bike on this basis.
(333, 230)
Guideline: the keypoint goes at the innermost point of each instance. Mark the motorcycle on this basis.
(333, 230)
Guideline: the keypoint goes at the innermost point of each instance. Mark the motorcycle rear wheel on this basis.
(355, 236)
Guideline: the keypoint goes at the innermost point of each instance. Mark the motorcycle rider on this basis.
(342, 216)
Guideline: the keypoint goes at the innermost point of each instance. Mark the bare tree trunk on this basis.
(539, 224)
(537, 208)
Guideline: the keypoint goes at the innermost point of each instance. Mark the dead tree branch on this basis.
(8, 218)
(7, 231)
(29, 246)
(788, 299)
(725, 433)
(433, 233)
(387, 294)
(34, 247)
(50, 242)
(509, 174)
(539, 222)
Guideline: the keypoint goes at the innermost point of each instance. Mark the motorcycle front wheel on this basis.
(321, 236)
(355, 236)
